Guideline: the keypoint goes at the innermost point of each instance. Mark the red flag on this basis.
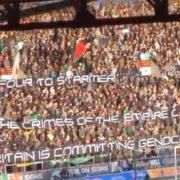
(79, 51)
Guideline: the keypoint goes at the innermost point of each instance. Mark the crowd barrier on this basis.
(163, 157)
(101, 167)
(60, 174)
(139, 174)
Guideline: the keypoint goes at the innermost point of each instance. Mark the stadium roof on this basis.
(12, 11)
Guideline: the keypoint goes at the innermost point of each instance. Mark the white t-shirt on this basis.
(69, 73)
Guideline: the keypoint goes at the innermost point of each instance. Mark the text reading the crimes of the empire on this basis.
(81, 121)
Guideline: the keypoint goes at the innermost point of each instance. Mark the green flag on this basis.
(4, 177)
(32, 117)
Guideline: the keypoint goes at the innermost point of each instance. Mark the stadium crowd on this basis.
(109, 50)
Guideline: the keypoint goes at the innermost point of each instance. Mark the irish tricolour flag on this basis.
(144, 67)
